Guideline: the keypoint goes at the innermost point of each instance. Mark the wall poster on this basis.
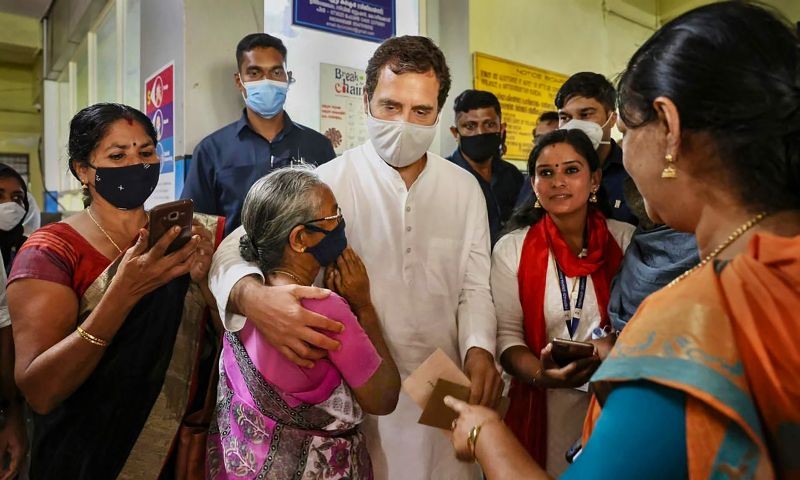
(525, 92)
(341, 116)
(158, 96)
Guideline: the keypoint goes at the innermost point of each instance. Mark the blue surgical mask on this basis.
(331, 246)
(265, 97)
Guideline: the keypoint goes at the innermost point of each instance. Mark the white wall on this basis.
(307, 48)
(212, 99)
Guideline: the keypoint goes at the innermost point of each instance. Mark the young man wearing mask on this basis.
(226, 163)
(419, 223)
(588, 101)
(479, 130)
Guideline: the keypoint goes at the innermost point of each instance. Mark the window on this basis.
(17, 161)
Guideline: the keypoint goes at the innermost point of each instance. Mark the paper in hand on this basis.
(436, 413)
(420, 384)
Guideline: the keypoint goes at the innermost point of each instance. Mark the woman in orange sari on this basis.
(704, 382)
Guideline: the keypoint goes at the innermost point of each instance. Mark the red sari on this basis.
(527, 414)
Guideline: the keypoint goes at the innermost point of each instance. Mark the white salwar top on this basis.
(426, 250)
(566, 408)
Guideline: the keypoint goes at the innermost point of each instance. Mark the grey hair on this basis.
(275, 204)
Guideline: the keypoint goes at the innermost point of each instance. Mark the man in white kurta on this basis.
(425, 243)
(426, 250)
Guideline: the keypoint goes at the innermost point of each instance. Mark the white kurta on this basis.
(426, 250)
(566, 408)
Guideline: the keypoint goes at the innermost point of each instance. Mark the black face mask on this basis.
(331, 246)
(480, 148)
(126, 187)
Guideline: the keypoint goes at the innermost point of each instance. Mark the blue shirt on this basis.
(614, 176)
(228, 162)
(641, 433)
(500, 194)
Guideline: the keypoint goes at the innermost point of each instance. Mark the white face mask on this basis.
(591, 129)
(400, 143)
(11, 214)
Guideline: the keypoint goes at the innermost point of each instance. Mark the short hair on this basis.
(258, 40)
(474, 99)
(548, 117)
(588, 85)
(409, 54)
(275, 204)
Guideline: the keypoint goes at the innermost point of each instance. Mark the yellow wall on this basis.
(569, 36)
(20, 122)
(21, 91)
(669, 9)
(563, 36)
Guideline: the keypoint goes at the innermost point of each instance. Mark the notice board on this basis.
(373, 20)
(524, 93)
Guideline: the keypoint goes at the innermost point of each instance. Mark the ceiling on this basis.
(20, 30)
(26, 8)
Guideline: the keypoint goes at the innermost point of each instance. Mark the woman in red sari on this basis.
(109, 333)
(551, 278)
(704, 382)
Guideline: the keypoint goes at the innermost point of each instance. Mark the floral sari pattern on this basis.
(257, 434)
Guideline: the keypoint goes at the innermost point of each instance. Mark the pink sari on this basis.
(277, 420)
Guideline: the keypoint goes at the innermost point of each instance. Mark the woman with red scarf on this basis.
(551, 278)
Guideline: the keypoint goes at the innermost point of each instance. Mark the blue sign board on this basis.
(373, 20)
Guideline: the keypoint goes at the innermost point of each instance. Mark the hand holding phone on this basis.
(566, 351)
(566, 364)
(168, 215)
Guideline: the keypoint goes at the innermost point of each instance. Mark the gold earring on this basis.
(669, 171)
(593, 197)
(536, 204)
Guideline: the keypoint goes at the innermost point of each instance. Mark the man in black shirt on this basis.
(479, 130)
(226, 163)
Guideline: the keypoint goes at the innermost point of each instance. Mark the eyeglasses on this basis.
(309, 224)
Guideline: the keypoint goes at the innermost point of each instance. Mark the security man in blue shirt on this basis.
(226, 163)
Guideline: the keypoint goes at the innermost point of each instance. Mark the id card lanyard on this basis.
(571, 317)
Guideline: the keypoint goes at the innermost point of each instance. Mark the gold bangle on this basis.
(91, 338)
(472, 440)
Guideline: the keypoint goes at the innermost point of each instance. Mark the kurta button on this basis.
(408, 229)
(408, 209)
(408, 250)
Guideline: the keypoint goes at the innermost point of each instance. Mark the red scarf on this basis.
(527, 415)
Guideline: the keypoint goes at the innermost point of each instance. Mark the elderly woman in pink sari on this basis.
(275, 419)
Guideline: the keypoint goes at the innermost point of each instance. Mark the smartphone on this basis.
(566, 351)
(167, 215)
